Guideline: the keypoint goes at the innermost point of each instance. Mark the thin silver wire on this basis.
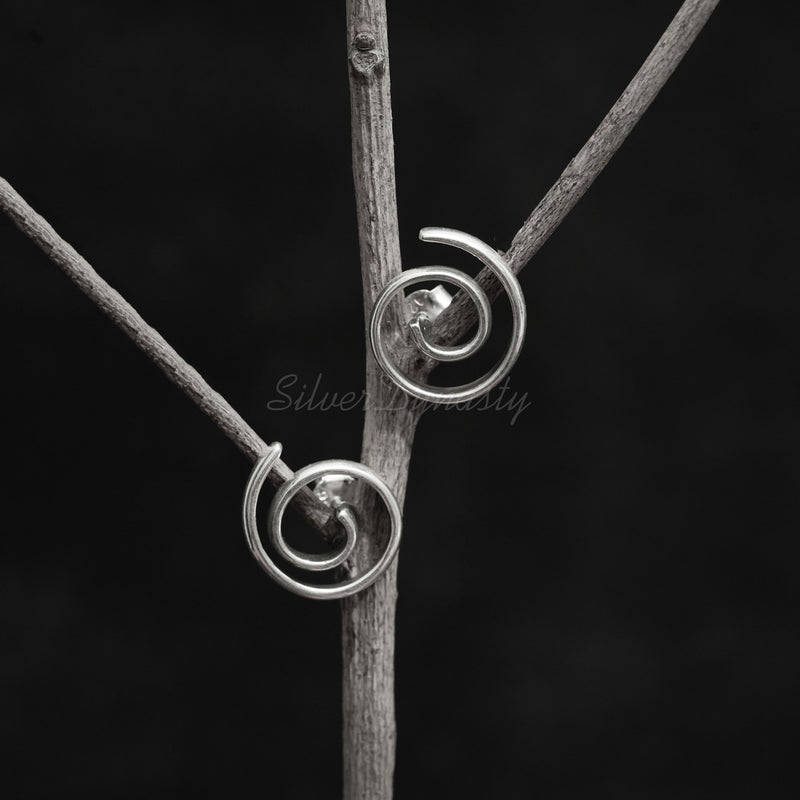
(344, 513)
(495, 262)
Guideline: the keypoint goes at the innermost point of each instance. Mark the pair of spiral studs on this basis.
(333, 471)
(428, 304)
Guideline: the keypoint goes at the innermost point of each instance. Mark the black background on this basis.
(600, 600)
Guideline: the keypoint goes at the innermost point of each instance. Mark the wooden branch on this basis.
(154, 345)
(582, 171)
(368, 618)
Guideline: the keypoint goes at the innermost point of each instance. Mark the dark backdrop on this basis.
(600, 600)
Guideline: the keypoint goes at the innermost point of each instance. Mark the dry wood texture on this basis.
(368, 618)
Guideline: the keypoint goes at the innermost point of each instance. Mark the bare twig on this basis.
(582, 171)
(154, 345)
(368, 618)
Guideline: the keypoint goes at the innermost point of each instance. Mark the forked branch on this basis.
(368, 618)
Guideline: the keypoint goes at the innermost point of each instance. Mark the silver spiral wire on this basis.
(420, 322)
(344, 513)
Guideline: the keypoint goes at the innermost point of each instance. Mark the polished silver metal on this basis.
(429, 302)
(331, 490)
(426, 305)
(335, 489)
(338, 492)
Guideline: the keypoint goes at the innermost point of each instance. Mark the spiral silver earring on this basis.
(431, 303)
(334, 472)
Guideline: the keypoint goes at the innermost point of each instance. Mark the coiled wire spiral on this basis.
(344, 513)
(420, 321)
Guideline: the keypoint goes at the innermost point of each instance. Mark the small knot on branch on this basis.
(364, 41)
(364, 54)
